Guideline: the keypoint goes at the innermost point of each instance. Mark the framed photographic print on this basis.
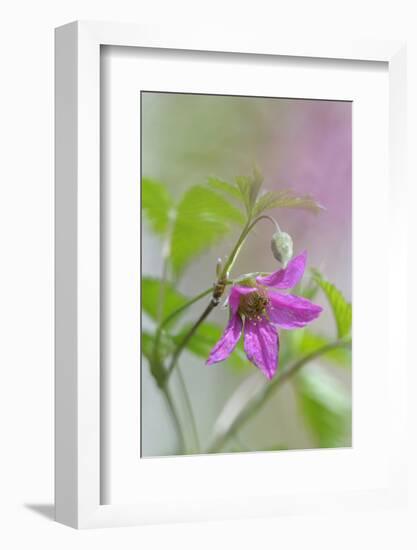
(222, 350)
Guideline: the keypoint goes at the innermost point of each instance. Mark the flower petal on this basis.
(261, 345)
(288, 311)
(228, 341)
(236, 293)
(288, 277)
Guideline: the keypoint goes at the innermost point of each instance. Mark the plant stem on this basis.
(218, 290)
(189, 407)
(175, 417)
(172, 315)
(246, 230)
(234, 254)
(166, 391)
(266, 217)
(162, 288)
(188, 336)
(164, 386)
(160, 309)
(266, 393)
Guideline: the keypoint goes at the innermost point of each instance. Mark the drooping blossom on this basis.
(258, 309)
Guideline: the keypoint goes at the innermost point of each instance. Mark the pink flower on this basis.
(259, 307)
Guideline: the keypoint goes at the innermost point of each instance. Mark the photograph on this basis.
(246, 274)
(235, 350)
(208, 276)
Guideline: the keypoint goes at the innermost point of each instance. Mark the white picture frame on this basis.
(77, 424)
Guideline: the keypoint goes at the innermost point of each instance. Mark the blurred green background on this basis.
(300, 144)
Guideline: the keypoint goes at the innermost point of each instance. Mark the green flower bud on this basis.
(282, 248)
(219, 267)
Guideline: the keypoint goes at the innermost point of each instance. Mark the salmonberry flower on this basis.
(256, 304)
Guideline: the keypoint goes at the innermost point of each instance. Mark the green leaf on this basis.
(203, 218)
(326, 407)
(249, 187)
(257, 181)
(157, 205)
(285, 198)
(310, 342)
(244, 185)
(147, 344)
(224, 187)
(204, 339)
(151, 289)
(165, 348)
(342, 310)
(238, 359)
(308, 288)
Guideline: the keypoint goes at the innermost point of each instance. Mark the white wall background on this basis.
(26, 272)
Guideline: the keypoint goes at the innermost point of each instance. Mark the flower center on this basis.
(254, 304)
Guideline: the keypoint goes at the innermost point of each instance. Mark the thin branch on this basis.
(246, 230)
(188, 405)
(218, 291)
(188, 336)
(175, 418)
(266, 393)
(172, 316)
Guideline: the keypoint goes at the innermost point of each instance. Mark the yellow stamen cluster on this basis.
(253, 305)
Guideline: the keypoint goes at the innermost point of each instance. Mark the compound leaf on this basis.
(285, 198)
(157, 205)
(151, 291)
(342, 310)
(203, 218)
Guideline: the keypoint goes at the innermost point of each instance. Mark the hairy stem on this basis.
(266, 393)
